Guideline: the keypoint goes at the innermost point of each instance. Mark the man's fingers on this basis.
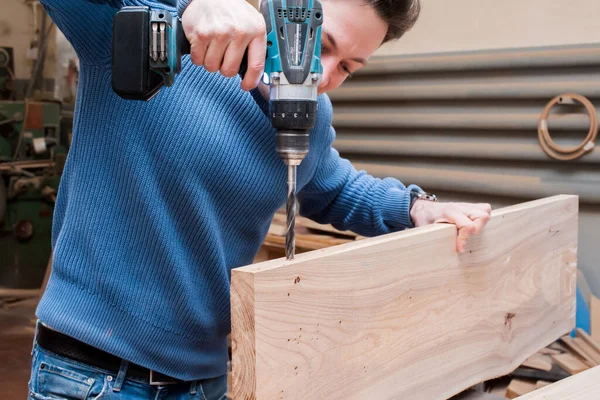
(480, 219)
(466, 228)
(257, 50)
(485, 207)
(233, 58)
(198, 51)
(214, 54)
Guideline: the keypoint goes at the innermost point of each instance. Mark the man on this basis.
(160, 199)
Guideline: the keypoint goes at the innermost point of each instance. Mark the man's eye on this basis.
(323, 49)
(347, 71)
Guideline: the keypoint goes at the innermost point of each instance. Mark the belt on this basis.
(66, 346)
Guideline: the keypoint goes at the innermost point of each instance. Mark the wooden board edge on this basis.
(446, 229)
(442, 228)
(573, 198)
(243, 336)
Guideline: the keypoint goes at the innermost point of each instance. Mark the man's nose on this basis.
(325, 78)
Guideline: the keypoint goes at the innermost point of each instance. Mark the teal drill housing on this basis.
(290, 14)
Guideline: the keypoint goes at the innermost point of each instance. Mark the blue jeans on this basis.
(55, 377)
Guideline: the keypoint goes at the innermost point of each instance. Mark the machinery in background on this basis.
(33, 149)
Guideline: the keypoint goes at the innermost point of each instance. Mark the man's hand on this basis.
(219, 33)
(470, 219)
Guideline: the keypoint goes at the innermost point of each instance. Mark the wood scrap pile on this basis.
(562, 359)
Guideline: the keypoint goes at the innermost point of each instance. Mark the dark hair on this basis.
(400, 15)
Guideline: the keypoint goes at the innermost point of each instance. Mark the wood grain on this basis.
(583, 386)
(243, 338)
(403, 316)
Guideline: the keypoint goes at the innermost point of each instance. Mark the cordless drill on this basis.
(148, 45)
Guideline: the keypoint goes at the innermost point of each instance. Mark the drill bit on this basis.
(154, 41)
(290, 209)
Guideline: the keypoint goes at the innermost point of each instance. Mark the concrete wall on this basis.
(17, 31)
(491, 24)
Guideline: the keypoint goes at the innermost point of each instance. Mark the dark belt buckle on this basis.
(158, 379)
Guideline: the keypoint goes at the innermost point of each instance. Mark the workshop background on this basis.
(454, 107)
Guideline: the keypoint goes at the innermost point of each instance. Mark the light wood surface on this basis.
(539, 361)
(593, 343)
(548, 351)
(577, 350)
(541, 384)
(590, 352)
(403, 316)
(583, 386)
(519, 387)
(570, 363)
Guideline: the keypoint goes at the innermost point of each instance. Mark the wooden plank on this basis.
(541, 384)
(570, 363)
(583, 386)
(403, 315)
(595, 317)
(593, 343)
(548, 351)
(538, 361)
(559, 346)
(590, 353)
(577, 350)
(519, 387)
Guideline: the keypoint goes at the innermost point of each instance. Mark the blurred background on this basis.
(455, 106)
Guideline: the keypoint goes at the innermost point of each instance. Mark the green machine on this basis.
(33, 150)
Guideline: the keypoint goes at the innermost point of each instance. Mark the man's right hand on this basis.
(219, 33)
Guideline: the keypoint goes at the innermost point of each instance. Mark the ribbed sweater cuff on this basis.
(181, 6)
(395, 207)
(260, 100)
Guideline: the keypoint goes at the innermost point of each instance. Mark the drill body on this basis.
(294, 71)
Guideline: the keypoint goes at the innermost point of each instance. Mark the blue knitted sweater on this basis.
(160, 199)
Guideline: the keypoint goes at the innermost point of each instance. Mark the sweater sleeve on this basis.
(354, 200)
(86, 24)
(182, 5)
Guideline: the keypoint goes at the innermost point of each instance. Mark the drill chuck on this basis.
(292, 145)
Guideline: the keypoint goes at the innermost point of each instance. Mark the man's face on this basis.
(352, 31)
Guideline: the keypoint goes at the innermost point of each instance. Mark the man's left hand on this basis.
(470, 219)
